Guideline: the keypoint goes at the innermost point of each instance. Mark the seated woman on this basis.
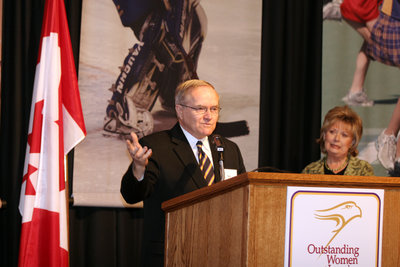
(339, 137)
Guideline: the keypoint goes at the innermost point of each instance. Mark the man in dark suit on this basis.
(166, 164)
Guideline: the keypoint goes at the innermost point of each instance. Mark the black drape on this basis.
(289, 120)
(290, 97)
(20, 42)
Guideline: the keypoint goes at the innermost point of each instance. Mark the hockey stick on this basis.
(232, 129)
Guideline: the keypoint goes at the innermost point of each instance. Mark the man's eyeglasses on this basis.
(202, 110)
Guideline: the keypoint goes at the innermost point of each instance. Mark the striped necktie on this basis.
(205, 164)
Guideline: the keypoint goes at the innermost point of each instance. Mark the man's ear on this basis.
(178, 110)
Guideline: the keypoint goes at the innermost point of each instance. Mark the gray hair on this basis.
(184, 88)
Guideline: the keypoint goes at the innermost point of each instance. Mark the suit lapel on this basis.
(185, 154)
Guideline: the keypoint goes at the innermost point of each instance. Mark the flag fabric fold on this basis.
(56, 125)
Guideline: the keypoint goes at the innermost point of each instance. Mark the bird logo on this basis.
(342, 214)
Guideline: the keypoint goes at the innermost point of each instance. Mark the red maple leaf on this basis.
(34, 142)
(35, 137)
(29, 189)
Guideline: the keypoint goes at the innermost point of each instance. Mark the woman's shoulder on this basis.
(359, 167)
(358, 161)
(315, 167)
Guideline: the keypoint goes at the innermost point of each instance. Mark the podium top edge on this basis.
(281, 179)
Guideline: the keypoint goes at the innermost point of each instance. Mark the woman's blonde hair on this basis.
(348, 116)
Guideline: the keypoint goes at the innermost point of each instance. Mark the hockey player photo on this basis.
(170, 35)
(133, 55)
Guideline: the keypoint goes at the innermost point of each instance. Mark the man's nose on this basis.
(208, 113)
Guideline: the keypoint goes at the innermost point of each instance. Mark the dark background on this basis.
(290, 116)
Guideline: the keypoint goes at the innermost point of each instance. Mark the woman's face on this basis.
(338, 140)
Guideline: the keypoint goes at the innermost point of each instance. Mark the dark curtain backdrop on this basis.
(290, 97)
(290, 105)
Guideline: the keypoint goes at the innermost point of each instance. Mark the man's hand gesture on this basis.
(140, 156)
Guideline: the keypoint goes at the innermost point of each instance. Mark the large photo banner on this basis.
(133, 54)
(361, 48)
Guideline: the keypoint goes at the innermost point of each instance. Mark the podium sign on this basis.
(333, 226)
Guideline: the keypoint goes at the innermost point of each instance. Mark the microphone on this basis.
(220, 150)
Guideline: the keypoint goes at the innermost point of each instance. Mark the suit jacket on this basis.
(172, 171)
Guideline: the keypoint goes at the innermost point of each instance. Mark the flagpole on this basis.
(3, 204)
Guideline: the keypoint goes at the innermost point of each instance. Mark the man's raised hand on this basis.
(140, 155)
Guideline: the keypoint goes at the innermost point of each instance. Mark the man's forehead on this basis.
(202, 94)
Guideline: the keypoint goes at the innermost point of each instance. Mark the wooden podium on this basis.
(241, 221)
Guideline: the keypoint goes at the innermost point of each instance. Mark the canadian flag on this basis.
(56, 125)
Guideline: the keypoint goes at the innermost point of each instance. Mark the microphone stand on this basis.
(220, 149)
(221, 162)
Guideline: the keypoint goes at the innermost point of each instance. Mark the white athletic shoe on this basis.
(358, 99)
(386, 147)
(331, 10)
